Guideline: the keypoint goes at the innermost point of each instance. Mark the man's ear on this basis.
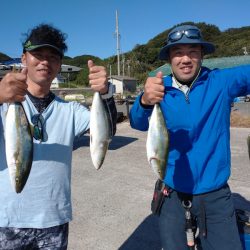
(202, 53)
(60, 68)
(23, 59)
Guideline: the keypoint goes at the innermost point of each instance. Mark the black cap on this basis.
(30, 46)
(45, 35)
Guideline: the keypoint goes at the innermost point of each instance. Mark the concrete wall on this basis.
(242, 107)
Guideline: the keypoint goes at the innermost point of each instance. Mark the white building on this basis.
(16, 63)
(69, 68)
(57, 81)
(60, 78)
(123, 84)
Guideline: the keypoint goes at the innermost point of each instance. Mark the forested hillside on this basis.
(144, 58)
(4, 57)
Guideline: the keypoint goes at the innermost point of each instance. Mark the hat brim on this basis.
(208, 48)
(34, 47)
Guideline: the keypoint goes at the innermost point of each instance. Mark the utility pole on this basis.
(110, 70)
(123, 65)
(117, 43)
(128, 63)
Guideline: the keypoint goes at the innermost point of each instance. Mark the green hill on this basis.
(144, 58)
(4, 57)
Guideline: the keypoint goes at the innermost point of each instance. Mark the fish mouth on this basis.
(156, 165)
(153, 160)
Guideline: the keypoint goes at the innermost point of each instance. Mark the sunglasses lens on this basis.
(37, 133)
(192, 33)
(175, 36)
(35, 118)
(38, 127)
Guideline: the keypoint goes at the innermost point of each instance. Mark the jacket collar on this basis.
(203, 75)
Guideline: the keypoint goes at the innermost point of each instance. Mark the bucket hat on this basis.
(185, 34)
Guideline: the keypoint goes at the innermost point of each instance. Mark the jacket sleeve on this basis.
(238, 81)
(109, 105)
(139, 115)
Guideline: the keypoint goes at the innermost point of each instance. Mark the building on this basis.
(123, 84)
(7, 66)
(4, 70)
(69, 68)
(58, 80)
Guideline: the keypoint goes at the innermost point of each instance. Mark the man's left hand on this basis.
(98, 77)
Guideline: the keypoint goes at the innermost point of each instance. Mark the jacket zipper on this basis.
(186, 94)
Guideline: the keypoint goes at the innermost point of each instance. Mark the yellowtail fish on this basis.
(100, 132)
(248, 145)
(18, 146)
(157, 143)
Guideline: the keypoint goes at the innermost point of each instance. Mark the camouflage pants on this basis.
(52, 238)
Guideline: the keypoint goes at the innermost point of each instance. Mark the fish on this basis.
(248, 145)
(18, 146)
(100, 131)
(157, 143)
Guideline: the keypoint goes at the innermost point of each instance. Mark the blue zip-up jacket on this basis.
(199, 154)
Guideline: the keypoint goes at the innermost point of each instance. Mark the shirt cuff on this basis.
(144, 105)
(110, 92)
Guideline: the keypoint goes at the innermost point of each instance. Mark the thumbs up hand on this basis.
(13, 86)
(153, 90)
(98, 78)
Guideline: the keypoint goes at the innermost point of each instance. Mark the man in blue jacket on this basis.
(196, 104)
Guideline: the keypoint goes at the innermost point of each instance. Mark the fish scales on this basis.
(100, 131)
(18, 145)
(157, 142)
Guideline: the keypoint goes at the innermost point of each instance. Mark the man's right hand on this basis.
(153, 90)
(13, 87)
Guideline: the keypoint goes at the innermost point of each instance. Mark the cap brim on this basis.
(34, 47)
(208, 48)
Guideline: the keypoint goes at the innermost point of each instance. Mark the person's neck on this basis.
(184, 83)
(188, 83)
(38, 91)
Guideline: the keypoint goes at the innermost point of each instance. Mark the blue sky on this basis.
(90, 24)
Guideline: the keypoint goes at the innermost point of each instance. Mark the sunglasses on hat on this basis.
(189, 33)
